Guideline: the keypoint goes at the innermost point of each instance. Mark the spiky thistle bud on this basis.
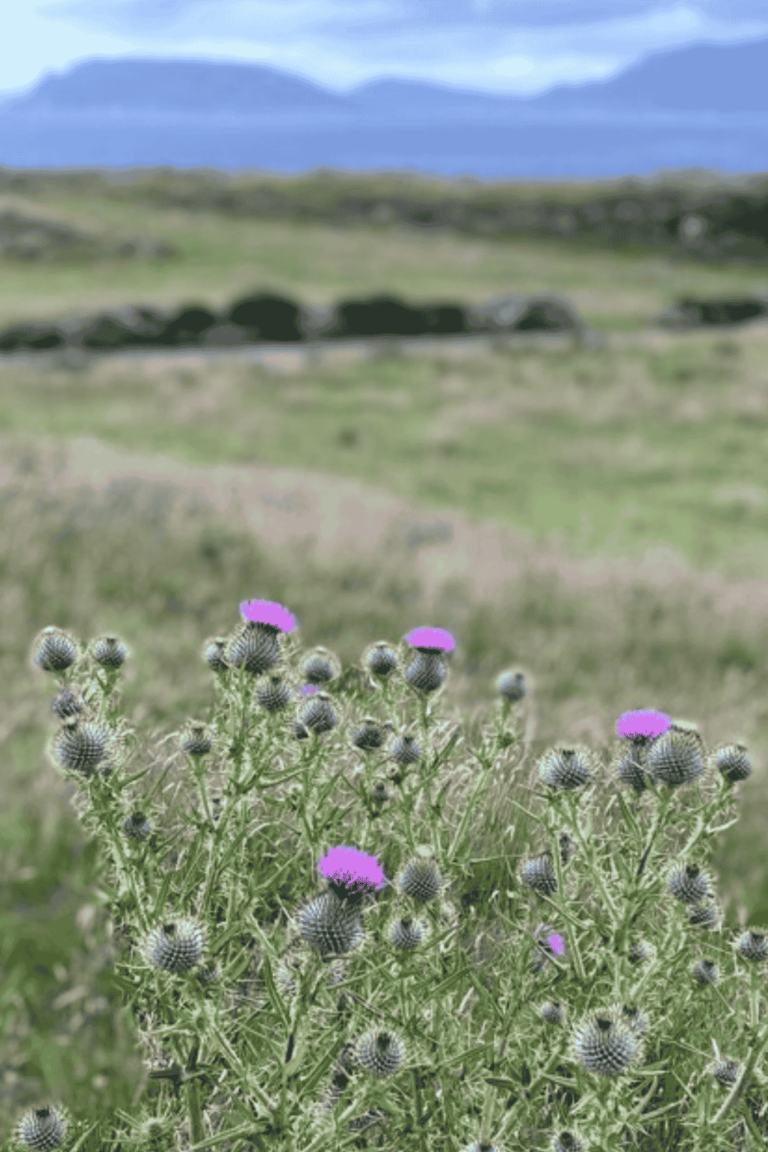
(420, 880)
(321, 666)
(675, 758)
(753, 945)
(318, 714)
(705, 972)
(370, 734)
(109, 651)
(380, 1052)
(255, 647)
(552, 1012)
(81, 745)
(732, 761)
(427, 667)
(405, 751)
(637, 729)
(511, 685)
(175, 946)
(689, 884)
(704, 915)
(639, 952)
(380, 659)
(726, 1072)
(379, 794)
(43, 1128)
(539, 874)
(328, 924)
(567, 766)
(605, 1044)
(67, 703)
(407, 933)
(55, 650)
(274, 694)
(137, 826)
(566, 1142)
(195, 741)
(214, 653)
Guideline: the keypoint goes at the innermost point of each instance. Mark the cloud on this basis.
(494, 45)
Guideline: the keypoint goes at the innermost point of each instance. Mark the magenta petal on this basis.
(431, 638)
(268, 612)
(642, 722)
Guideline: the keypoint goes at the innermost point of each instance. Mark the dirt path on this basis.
(347, 518)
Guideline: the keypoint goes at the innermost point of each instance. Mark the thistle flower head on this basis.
(175, 946)
(43, 1128)
(566, 1142)
(109, 651)
(195, 741)
(67, 703)
(566, 766)
(405, 751)
(55, 650)
(539, 874)
(705, 972)
(318, 714)
(420, 880)
(675, 758)
(753, 945)
(689, 884)
(726, 1072)
(704, 915)
(351, 873)
(214, 653)
(427, 639)
(81, 745)
(370, 734)
(552, 1012)
(380, 1052)
(274, 693)
(406, 934)
(732, 761)
(511, 684)
(642, 724)
(269, 614)
(330, 924)
(605, 1044)
(137, 826)
(380, 659)
(321, 666)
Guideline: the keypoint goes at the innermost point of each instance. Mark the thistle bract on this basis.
(705, 972)
(511, 685)
(330, 925)
(318, 714)
(43, 1128)
(567, 767)
(381, 1053)
(380, 659)
(54, 650)
(732, 762)
(321, 666)
(689, 884)
(109, 651)
(420, 880)
(753, 945)
(80, 746)
(675, 758)
(175, 946)
(605, 1045)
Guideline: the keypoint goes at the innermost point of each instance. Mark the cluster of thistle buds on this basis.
(656, 754)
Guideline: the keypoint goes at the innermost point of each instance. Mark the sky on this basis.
(519, 47)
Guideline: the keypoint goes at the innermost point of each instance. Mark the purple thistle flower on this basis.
(268, 612)
(643, 722)
(433, 639)
(556, 943)
(350, 871)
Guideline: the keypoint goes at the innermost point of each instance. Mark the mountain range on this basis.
(701, 106)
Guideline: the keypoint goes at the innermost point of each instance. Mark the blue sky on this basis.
(515, 46)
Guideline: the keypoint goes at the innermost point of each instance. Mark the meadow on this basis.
(597, 452)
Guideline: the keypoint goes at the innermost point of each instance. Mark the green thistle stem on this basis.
(559, 904)
(739, 1087)
(193, 1098)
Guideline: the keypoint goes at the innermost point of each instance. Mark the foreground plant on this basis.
(291, 953)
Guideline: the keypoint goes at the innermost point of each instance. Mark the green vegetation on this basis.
(607, 449)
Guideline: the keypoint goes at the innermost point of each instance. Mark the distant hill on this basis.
(703, 106)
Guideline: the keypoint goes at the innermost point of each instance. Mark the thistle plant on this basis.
(283, 905)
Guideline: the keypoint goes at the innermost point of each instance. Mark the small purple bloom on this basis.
(268, 612)
(437, 638)
(352, 869)
(556, 943)
(642, 722)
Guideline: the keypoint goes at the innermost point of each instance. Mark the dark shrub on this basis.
(267, 317)
(690, 311)
(30, 336)
(378, 316)
(121, 328)
(188, 325)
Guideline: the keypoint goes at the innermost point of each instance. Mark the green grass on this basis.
(608, 449)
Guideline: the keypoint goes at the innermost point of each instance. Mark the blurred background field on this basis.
(645, 460)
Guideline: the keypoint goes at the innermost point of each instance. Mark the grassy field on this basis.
(599, 451)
